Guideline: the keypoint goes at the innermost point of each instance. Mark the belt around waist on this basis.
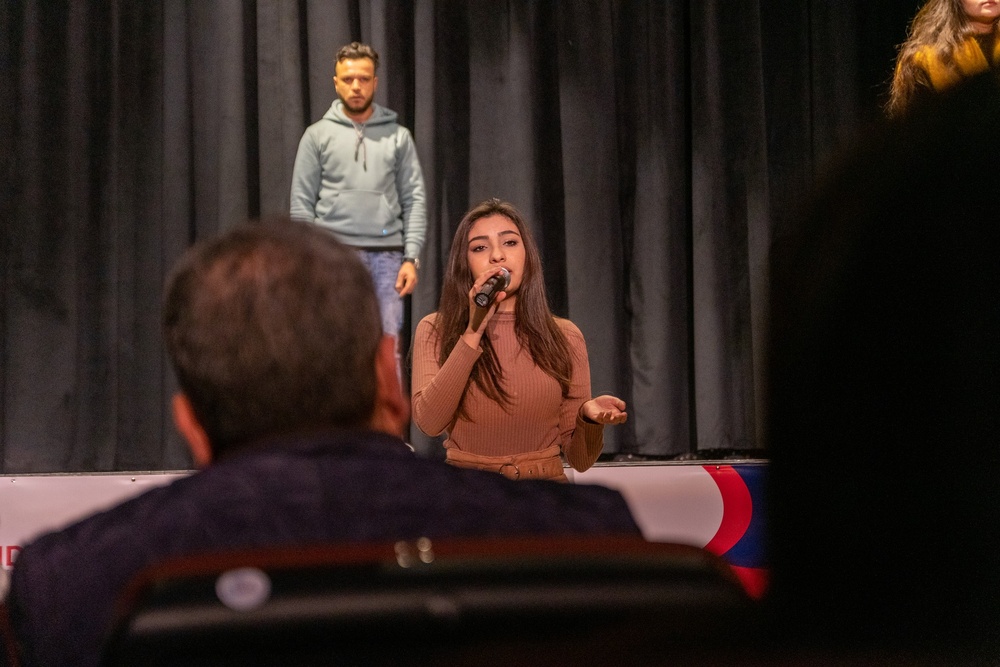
(543, 464)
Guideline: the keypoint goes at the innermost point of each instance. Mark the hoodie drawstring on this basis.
(359, 128)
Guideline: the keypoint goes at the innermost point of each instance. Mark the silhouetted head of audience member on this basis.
(273, 328)
(884, 400)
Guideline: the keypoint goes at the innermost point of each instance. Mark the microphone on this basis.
(498, 282)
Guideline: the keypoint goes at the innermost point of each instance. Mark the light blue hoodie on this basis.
(362, 181)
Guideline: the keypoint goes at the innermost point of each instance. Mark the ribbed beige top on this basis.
(537, 418)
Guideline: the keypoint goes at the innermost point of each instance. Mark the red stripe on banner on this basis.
(737, 508)
(754, 579)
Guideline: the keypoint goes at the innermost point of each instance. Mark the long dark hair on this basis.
(940, 24)
(536, 330)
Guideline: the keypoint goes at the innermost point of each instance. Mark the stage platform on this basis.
(718, 505)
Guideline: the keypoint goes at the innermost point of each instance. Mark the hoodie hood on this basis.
(380, 115)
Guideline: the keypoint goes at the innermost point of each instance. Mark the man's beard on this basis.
(364, 107)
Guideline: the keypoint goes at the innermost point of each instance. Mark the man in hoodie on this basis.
(357, 174)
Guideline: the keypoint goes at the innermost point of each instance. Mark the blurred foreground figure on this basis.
(290, 401)
(885, 395)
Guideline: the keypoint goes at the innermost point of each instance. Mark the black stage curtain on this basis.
(658, 148)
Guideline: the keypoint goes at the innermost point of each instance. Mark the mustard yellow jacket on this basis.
(967, 60)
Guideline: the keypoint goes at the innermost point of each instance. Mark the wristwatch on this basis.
(415, 261)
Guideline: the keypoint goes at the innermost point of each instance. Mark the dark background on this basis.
(658, 147)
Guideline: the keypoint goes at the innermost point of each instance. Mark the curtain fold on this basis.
(658, 148)
(655, 195)
(729, 190)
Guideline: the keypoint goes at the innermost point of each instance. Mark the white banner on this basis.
(670, 502)
(34, 504)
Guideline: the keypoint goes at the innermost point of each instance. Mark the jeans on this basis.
(384, 267)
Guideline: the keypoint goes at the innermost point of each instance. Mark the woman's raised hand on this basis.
(478, 317)
(604, 409)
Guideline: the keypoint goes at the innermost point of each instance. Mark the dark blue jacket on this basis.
(346, 486)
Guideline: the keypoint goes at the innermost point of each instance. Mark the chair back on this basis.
(457, 601)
